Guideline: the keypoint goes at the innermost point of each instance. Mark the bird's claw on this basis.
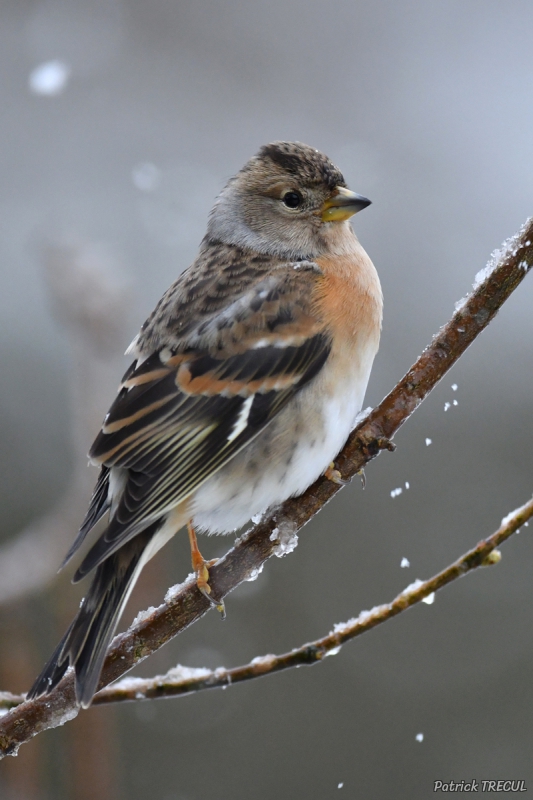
(384, 443)
(333, 475)
(202, 581)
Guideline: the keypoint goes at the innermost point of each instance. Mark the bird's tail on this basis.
(85, 643)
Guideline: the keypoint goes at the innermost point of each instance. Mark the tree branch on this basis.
(188, 680)
(274, 534)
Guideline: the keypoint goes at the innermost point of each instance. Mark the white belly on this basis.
(288, 456)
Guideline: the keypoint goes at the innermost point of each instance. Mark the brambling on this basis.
(246, 382)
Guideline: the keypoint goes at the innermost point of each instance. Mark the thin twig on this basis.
(503, 274)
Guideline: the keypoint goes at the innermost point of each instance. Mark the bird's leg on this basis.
(201, 568)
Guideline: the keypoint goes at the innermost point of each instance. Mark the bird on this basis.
(245, 383)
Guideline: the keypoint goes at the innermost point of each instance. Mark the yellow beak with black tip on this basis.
(343, 205)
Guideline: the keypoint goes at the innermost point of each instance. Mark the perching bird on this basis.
(247, 380)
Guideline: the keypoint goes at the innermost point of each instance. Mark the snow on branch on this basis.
(185, 605)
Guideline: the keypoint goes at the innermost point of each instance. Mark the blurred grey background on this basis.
(120, 122)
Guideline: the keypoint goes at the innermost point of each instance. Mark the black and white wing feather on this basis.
(184, 412)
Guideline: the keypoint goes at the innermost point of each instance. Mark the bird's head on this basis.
(288, 200)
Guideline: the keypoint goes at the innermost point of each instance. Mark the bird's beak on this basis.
(343, 205)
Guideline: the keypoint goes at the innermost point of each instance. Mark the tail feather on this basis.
(85, 643)
(53, 670)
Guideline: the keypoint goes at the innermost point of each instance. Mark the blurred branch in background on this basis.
(275, 535)
(90, 299)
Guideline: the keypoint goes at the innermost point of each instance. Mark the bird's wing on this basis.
(182, 413)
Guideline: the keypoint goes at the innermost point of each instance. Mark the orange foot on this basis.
(201, 568)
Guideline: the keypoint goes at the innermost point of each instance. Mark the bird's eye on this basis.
(292, 199)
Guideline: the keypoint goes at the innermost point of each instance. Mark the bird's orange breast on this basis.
(349, 300)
